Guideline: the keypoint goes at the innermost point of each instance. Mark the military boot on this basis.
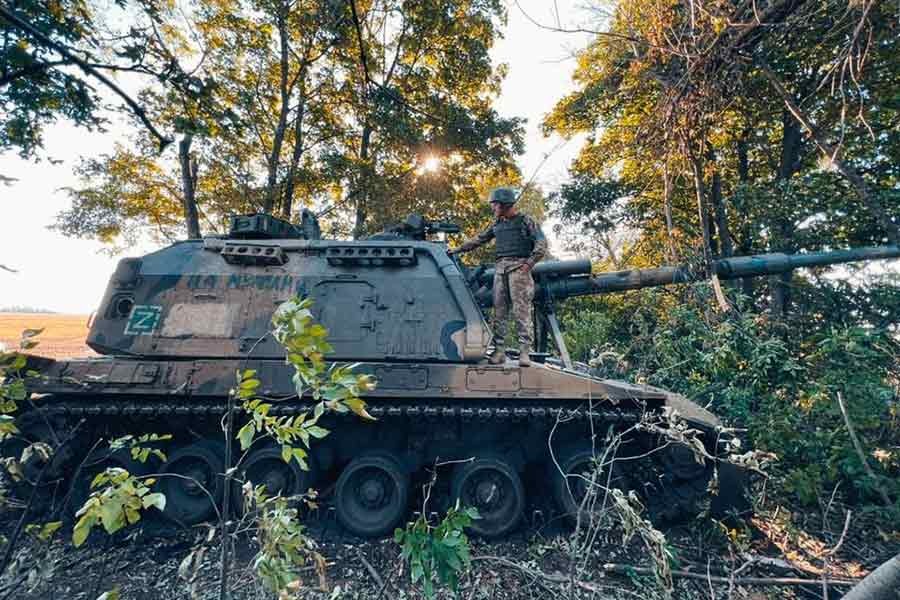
(498, 357)
(524, 356)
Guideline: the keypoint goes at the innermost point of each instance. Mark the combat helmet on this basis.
(503, 195)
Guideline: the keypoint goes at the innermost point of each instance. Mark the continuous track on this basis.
(373, 492)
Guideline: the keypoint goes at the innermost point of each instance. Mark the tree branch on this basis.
(136, 108)
(786, 581)
(861, 454)
(31, 69)
(832, 154)
(359, 37)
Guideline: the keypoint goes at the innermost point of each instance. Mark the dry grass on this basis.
(63, 335)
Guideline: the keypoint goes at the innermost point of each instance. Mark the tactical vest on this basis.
(513, 238)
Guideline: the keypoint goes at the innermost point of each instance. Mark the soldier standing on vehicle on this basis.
(520, 245)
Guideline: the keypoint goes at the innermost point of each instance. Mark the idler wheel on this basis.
(492, 486)
(264, 466)
(672, 485)
(192, 482)
(681, 461)
(579, 465)
(52, 470)
(372, 494)
(38, 428)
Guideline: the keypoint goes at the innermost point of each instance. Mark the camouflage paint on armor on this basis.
(513, 289)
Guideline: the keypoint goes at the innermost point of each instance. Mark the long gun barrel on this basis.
(548, 268)
(726, 268)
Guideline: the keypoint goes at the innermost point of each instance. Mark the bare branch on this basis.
(832, 153)
(136, 108)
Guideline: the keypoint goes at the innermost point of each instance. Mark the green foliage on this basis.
(139, 451)
(284, 547)
(437, 555)
(781, 387)
(318, 129)
(118, 497)
(659, 127)
(43, 59)
(117, 500)
(333, 387)
(33, 93)
(14, 372)
(43, 531)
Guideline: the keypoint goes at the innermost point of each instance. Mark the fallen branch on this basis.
(831, 553)
(537, 574)
(370, 568)
(621, 569)
(381, 581)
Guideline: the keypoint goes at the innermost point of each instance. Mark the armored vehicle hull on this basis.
(507, 425)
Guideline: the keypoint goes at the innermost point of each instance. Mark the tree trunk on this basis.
(791, 144)
(189, 186)
(881, 584)
(743, 159)
(702, 207)
(718, 203)
(289, 184)
(275, 156)
(362, 183)
(744, 244)
(667, 207)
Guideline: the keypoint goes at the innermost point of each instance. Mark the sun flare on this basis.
(431, 164)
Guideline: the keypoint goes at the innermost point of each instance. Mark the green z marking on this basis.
(143, 320)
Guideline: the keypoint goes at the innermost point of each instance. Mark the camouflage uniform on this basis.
(513, 286)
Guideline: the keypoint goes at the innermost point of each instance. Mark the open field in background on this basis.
(63, 335)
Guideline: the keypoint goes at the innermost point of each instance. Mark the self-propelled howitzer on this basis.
(175, 325)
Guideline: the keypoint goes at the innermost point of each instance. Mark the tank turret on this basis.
(394, 296)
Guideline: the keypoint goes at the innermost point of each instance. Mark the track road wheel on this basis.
(582, 473)
(192, 482)
(265, 466)
(372, 495)
(492, 486)
(95, 463)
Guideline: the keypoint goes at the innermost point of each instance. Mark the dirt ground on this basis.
(63, 335)
(534, 563)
